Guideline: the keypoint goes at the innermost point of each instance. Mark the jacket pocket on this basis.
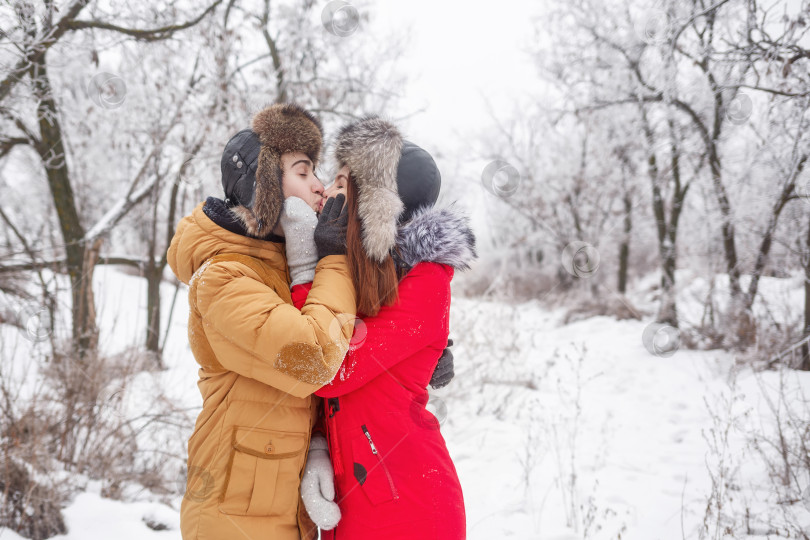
(263, 473)
(370, 468)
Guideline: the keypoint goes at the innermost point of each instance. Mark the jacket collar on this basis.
(218, 212)
(198, 238)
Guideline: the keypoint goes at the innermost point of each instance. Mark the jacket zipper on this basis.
(379, 458)
(333, 406)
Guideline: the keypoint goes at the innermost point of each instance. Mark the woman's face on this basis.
(337, 187)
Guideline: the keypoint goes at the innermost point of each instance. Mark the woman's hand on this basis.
(330, 234)
(444, 371)
(318, 485)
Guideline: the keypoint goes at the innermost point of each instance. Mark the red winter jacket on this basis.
(394, 476)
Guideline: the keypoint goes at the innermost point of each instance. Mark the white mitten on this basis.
(318, 485)
(298, 221)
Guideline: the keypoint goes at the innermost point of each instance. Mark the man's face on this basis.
(299, 180)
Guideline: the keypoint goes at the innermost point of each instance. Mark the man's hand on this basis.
(318, 485)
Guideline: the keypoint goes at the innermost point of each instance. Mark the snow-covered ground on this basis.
(557, 431)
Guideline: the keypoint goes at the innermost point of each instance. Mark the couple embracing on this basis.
(317, 317)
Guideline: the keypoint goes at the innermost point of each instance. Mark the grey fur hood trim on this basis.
(371, 147)
(441, 235)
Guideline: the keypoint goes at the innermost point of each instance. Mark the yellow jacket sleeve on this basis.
(255, 333)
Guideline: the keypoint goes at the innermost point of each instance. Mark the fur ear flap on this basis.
(247, 219)
(371, 148)
(260, 220)
(281, 128)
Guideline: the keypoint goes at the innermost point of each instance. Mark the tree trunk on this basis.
(80, 262)
(155, 266)
(805, 365)
(624, 248)
(788, 192)
(153, 280)
(667, 308)
(667, 229)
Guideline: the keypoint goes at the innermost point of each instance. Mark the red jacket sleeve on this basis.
(299, 294)
(421, 317)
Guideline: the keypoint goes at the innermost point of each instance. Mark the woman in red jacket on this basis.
(393, 474)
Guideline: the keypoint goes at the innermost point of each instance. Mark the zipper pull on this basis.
(334, 406)
(370, 442)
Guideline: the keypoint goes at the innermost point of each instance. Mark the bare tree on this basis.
(689, 64)
(35, 33)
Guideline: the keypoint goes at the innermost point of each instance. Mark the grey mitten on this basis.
(330, 234)
(299, 221)
(318, 485)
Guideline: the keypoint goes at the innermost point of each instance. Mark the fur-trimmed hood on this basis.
(441, 235)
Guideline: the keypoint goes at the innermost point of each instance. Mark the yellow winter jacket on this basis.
(260, 361)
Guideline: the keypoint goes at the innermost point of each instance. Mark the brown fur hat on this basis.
(371, 147)
(281, 128)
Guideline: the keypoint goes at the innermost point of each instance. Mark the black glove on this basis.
(444, 372)
(330, 234)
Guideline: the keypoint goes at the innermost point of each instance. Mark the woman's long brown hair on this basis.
(376, 283)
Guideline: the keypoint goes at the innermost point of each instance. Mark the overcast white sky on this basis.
(459, 56)
(459, 53)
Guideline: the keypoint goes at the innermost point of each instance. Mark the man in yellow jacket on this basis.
(260, 358)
